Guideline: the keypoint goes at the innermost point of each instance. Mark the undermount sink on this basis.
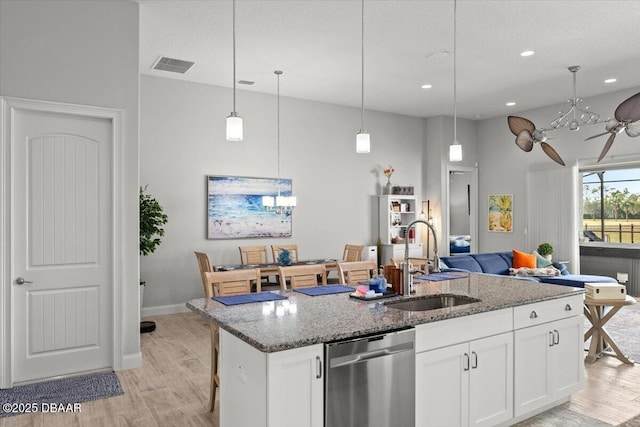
(433, 302)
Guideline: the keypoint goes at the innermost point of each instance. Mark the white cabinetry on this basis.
(548, 352)
(469, 383)
(389, 252)
(278, 389)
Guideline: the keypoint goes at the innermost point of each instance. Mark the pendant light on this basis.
(281, 204)
(234, 122)
(455, 149)
(363, 141)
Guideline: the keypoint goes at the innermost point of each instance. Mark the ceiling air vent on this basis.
(172, 65)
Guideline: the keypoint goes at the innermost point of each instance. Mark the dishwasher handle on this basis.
(363, 357)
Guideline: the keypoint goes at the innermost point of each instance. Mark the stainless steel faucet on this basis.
(406, 275)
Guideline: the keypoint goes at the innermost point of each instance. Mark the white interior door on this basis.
(61, 244)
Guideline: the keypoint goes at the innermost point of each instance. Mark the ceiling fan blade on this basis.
(607, 147)
(518, 124)
(596, 136)
(549, 151)
(524, 140)
(629, 109)
(633, 129)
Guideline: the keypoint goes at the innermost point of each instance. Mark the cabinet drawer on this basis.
(547, 311)
(462, 329)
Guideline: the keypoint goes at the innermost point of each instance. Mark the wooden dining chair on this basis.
(352, 252)
(352, 272)
(253, 255)
(293, 251)
(204, 264)
(224, 283)
(302, 276)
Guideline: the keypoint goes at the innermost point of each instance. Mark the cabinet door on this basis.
(295, 388)
(567, 356)
(442, 389)
(491, 380)
(532, 372)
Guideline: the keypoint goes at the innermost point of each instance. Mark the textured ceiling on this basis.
(317, 45)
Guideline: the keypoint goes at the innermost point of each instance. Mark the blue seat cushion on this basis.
(492, 263)
(463, 262)
(576, 280)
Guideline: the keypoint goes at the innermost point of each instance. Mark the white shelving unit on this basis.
(396, 212)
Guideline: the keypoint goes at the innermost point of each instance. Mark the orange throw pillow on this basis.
(522, 259)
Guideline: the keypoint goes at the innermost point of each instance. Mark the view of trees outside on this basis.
(616, 194)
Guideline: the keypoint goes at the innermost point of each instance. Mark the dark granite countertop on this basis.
(322, 319)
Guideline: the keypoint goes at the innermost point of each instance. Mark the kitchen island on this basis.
(271, 366)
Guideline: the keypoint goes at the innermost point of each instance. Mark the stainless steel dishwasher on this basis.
(370, 381)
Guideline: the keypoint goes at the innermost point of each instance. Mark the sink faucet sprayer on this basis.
(406, 276)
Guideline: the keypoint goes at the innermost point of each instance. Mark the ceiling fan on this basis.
(527, 135)
(627, 118)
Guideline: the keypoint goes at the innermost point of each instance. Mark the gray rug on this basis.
(624, 328)
(59, 395)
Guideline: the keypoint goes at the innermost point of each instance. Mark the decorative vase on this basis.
(387, 187)
(548, 257)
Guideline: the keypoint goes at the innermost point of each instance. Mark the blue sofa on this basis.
(498, 263)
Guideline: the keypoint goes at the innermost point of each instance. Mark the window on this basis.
(611, 204)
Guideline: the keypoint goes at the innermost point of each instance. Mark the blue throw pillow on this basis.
(541, 262)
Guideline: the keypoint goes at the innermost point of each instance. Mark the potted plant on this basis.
(546, 250)
(152, 220)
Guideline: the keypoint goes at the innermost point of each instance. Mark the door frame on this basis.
(473, 170)
(8, 107)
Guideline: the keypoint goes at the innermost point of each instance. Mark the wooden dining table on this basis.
(271, 269)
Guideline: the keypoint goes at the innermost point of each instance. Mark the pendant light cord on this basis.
(234, 56)
(362, 64)
(455, 53)
(278, 73)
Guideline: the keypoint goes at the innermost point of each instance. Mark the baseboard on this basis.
(164, 309)
(130, 361)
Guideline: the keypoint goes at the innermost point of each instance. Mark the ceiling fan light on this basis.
(363, 142)
(455, 152)
(574, 125)
(234, 127)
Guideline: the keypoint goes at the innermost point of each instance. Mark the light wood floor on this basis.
(172, 387)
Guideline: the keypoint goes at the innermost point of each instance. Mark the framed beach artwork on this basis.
(501, 213)
(235, 211)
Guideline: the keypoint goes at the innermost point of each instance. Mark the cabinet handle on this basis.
(551, 339)
(567, 307)
(318, 367)
(466, 362)
(475, 360)
(556, 337)
(533, 315)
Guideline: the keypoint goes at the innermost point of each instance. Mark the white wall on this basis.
(503, 165)
(182, 140)
(83, 53)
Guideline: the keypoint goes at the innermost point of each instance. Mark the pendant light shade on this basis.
(455, 149)
(363, 140)
(455, 152)
(234, 122)
(363, 143)
(234, 127)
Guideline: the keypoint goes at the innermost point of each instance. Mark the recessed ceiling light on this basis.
(427, 86)
(511, 104)
(612, 80)
(527, 53)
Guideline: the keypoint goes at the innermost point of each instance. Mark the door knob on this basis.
(21, 281)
